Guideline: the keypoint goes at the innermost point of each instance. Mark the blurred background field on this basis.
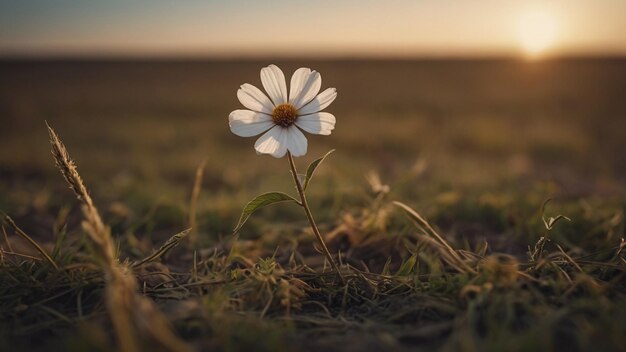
(440, 132)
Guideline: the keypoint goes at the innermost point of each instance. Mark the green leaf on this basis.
(261, 201)
(311, 169)
(407, 267)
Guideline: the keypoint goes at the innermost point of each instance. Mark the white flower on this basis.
(281, 116)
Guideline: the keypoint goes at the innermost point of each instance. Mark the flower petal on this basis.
(320, 102)
(296, 141)
(273, 142)
(273, 81)
(305, 84)
(254, 99)
(319, 123)
(246, 123)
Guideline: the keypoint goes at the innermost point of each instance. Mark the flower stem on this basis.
(309, 215)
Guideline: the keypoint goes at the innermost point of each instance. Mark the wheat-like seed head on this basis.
(130, 312)
(92, 224)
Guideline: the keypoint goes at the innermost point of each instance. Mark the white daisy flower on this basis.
(282, 116)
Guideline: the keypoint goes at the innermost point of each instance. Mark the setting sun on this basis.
(537, 31)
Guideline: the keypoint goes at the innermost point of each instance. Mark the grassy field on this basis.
(474, 146)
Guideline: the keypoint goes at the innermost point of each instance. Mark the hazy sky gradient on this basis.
(296, 27)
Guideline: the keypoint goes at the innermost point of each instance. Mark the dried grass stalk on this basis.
(193, 203)
(134, 317)
(448, 253)
(166, 247)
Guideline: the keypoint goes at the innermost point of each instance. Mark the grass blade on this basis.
(166, 247)
(22, 234)
(407, 267)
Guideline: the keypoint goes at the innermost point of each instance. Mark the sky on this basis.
(240, 28)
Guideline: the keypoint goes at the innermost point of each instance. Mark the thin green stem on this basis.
(309, 215)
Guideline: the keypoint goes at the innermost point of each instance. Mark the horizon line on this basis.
(289, 57)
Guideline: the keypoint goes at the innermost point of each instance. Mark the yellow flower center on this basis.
(285, 115)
